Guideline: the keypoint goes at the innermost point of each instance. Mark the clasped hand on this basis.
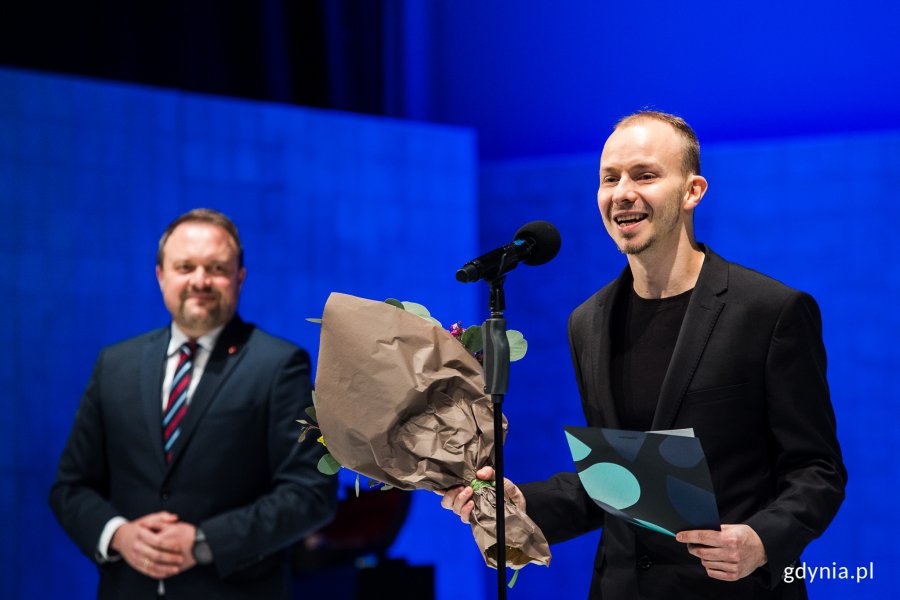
(157, 545)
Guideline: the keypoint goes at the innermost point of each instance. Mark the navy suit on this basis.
(238, 472)
(748, 375)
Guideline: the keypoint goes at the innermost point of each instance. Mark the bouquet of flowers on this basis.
(400, 400)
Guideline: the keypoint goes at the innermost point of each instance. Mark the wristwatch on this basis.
(201, 551)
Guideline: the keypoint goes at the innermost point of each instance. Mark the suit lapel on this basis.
(153, 365)
(600, 350)
(602, 347)
(225, 356)
(702, 313)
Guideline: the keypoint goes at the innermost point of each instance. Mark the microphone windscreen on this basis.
(544, 239)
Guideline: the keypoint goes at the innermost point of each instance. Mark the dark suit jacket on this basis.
(748, 375)
(238, 472)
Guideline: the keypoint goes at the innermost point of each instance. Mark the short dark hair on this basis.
(690, 160)
(202, 215)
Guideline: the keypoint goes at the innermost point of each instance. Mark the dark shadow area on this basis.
(348, 558)
(320, 53)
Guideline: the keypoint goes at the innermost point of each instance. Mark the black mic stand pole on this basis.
(496, 381)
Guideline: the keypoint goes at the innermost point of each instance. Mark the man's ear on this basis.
(696, 190)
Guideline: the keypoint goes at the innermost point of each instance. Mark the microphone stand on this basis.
(496, 378)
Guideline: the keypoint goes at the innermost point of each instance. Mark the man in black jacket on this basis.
(685, 339)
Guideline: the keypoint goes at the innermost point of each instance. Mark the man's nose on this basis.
(200, 278)
(624, 191)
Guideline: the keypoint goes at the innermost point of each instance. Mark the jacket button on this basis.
(644, 562)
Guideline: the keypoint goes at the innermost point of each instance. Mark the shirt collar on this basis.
(207, 342)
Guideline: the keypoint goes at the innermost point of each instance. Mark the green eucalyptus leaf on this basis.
(313, 394)
(313, 320)
(434, 321)
(473, 338)
(328, 465)
(386, 487)
(394, 302)
(357, 485)
(518, 345)
(416, 309)
(302, 435)
(311, 411)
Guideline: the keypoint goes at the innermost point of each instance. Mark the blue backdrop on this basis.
(90, 174)
(538, 78)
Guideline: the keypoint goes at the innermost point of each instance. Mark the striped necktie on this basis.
(176, 404)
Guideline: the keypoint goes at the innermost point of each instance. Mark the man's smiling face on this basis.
(643, 186)
(200, 277)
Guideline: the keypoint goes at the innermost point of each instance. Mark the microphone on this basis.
(535, 243)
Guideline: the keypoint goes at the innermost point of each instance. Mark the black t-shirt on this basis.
(644, 333)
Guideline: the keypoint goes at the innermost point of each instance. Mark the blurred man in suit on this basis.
(685, 339)
(182, 477)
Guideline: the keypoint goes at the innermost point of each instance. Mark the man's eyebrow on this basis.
(641, 165)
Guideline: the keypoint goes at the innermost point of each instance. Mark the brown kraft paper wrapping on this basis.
(402, 401)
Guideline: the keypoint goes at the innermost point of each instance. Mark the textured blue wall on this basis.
(91, 173)
(811, 212)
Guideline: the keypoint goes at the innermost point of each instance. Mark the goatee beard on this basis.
(626, 248)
